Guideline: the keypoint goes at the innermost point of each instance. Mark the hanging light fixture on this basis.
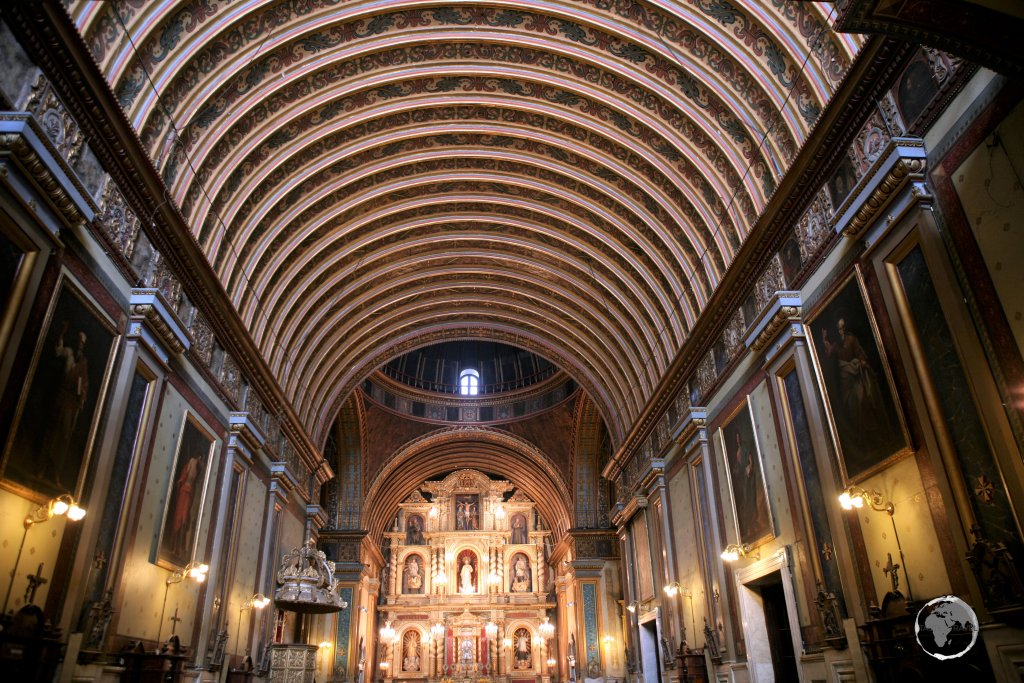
(387, 633)
(546, 629)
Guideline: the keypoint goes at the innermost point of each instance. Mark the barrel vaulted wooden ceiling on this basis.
(572, 176)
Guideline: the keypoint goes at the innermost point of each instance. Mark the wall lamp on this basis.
(64, 504)
(255, 601)
(674, 588)
(632, 606)
(196, 571)
(855, 497)
(735, 551)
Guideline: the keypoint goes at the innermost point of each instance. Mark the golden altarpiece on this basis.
(466, 585)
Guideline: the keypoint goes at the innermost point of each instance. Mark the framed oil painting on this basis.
(745, 473)
(55, 422)
(858, 389)
(183, 509)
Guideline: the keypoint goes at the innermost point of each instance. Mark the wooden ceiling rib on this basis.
(571, 176)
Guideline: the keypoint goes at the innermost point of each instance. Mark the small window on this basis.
(469, 382)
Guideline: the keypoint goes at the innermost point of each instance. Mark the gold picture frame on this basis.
(183, 510)
(54, 428)
(744, 472)
(868, 429)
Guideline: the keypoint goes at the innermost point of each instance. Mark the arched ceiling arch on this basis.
(477, 448)
(576, 174)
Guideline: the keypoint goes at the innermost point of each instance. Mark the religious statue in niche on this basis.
(524, 649)
(411, 651)
(466, 653)
(414, 530)
(519, 533)
(467, 571)
(520, 581)
(412, 575)
(467, 512)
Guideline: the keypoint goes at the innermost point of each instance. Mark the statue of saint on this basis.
(466, 576)
(411, 662)
(520, 575)
(519, 534)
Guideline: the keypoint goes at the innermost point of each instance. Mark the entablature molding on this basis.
(153, 321)
(49, 178)
(904, 162)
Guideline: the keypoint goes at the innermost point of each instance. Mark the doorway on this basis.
(771, 627)
(650, 661)
(777, 624)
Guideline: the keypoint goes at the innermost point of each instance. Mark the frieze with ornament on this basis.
(231, 379)
(869, 144)
(202, 338)
(891, 115)
(813, 229)
(117, 221)
(59, 126)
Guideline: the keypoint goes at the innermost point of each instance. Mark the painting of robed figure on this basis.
(55, 423)
(183, 509)
(856, 383)
(746, 478)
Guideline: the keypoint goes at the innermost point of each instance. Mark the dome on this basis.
(493, 367)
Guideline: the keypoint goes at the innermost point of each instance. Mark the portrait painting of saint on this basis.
(467, 512)
(857, 387)
(54, 425)
(412, 575)
(746, 478)
(183, 509)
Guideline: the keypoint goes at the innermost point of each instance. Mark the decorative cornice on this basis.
(694, 424)
(316, 514)
(243, 427)
(904, 161)
(784, 307)
(148, 310)
(36, 158)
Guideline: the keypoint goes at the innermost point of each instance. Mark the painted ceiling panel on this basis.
(573, 177)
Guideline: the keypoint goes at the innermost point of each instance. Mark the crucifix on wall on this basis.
(174, 620)
(34, 582)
